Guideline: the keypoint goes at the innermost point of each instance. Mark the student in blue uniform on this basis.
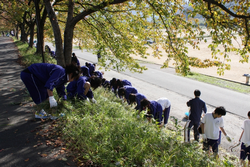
(136, 98)
(98, 74)
(118, 83)
(154, 110)
(166, 105)
(75, 60)
(41, 78)
(125, 91)
(80, 88)
(196, 107)
(91, 68)
(105, 83)
(85, 71)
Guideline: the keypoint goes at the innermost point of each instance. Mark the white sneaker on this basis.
(41, 115)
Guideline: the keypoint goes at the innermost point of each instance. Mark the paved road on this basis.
(234, 102)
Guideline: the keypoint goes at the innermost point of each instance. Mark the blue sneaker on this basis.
(41, 115)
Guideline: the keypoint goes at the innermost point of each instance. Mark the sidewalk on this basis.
(20, 146)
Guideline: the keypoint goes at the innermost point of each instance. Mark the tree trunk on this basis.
(39, 46)
(23, 33)
(17, 32)
(57, 33)
(32, 27)
(68, 33)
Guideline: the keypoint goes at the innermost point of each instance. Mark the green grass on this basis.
(220, 82)
(28, 55)
(108, 133)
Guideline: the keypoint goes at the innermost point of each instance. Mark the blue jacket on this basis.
(126, 82)
(51, 75)
(98, 74)
(138, 98)
(85, 71)
(128, 90)
(196, 107)
(156, 111)
(91, 68)
(76, 88)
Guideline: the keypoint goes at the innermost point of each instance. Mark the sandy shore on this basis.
(235, 74)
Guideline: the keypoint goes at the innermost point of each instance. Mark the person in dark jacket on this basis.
(124, 92)
(197, 106)
(154, 110)
(41, 78)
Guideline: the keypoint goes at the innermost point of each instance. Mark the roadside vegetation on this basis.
(108, 133)
(220, 82)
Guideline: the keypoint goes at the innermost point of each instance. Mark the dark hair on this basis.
(119, 83)
(197, 92)
(121, 91)
(73, 54)
(220, 110)
(144, 103)
(74, 59)
(95, 82)
(132, 97)
(248, 114)
(112, 81)
(74, 70)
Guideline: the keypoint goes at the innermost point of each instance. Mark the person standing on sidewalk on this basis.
(245, 139)
(196, 107)
(211, 124)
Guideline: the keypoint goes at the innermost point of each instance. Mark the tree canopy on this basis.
(119, 28)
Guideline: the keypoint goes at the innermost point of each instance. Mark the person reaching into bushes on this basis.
(154, 110)
(41, 78)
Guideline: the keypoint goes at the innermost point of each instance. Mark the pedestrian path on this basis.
(19, 143)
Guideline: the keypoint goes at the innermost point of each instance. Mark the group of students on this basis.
(41, 78)
(210, 126)
(157, 109)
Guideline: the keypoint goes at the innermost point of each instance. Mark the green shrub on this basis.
(109, 134)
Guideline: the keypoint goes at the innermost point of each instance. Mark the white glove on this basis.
(138, 116)
(52, 102)
(228, 138)
(93, 100)
(204, 137)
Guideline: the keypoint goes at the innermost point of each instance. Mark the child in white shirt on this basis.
(245, 139)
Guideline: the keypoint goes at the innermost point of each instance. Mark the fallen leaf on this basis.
(64, 159)
(35, 146)
(44, 155)
(54, 156)
(62, 151)
(27, 159)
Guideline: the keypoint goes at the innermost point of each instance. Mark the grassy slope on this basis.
(109, 134)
